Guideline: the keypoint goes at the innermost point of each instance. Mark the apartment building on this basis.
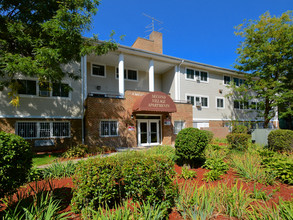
(134, 96)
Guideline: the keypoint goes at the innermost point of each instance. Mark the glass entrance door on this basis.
(148, 132)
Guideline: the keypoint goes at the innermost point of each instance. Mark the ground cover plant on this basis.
(232, 196)
(46, 158)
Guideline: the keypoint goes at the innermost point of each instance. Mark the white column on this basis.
(121, 74)
(85, 77)
(176, 82)
(151, 76)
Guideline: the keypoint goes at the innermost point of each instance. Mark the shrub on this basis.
(212, 175)
(238, 141)
(150, 178)
(167, 151)
(15, 162)
(281, 140)
(214, 163)
(96, 182)
(209, 134)
(239, 129)
(187, 174)
(190, 144)
(79, 150)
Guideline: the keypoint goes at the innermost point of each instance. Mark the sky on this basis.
(197, 30)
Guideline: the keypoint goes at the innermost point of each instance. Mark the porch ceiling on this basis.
(131, 62)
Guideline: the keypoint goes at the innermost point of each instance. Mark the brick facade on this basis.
(8, 125)
(98, 109)
(154, 43)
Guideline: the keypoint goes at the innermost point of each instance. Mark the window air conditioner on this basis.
(198, 104)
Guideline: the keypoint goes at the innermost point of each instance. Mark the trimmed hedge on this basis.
(238, 141)
(281, 140)
(239, 129)
(190, 144)
(15, 162)
(108, 181)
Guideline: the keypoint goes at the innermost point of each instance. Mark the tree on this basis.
(39, 35)
(266, 54)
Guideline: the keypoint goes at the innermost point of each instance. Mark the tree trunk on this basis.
(266, 113)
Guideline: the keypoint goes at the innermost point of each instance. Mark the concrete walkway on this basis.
(118, 149)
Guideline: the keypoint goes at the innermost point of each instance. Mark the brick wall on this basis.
(8, 125)
(98, 109)
(154, 43)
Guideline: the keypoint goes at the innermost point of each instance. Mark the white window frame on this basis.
(126, 79)
(194, 78)
(199, 96)
(183, 125)
(51, 91)
(109, 120)
(224, 80)
(217, 102)
(105, 70)
(38, 127)
(240, 84)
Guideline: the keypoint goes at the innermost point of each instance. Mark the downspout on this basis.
(82, 100)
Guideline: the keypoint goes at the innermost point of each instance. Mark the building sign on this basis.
(155, 102)
(131, 128)
(167, 121)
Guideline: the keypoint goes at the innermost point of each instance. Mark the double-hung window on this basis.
(227, 80)
(178, 126)
(108, 128)
(98, 70)
(129, 74)
(192, 74)
(238, 82)
(199, 101)
(60, 90)
(27, 87)
(220, 102)
(32, 130)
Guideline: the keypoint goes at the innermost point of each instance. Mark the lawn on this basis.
(42, 159)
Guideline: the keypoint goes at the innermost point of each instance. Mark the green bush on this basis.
(281, 140)
(209, 134)
(97, 182)
(238, 141)
(79, 150)
(214, 163)
(190, 144)
(239, 129)
(187, 174)
(15, 162)
(212, 175)
(150, 178)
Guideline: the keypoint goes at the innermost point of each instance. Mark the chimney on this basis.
(154, 43)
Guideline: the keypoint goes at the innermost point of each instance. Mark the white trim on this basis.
(126, 79)
(117, 124)
(85, 77)
(224, 80)
(199, 79)
(38, 129)
(223, 98)
(200, 96)
(121, 74)
(224, 119)
(151, 76)
(105, 72)
(39, 117)
(176, 82)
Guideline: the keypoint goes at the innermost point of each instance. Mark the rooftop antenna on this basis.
(151, 26)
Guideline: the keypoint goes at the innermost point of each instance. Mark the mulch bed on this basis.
(63, 189)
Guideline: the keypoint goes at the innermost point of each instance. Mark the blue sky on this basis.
(198, 30)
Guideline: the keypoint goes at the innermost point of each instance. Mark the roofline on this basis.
(159, 56)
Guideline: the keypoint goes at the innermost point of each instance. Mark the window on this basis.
(109, 128)
(227, 80)
(60, 90)
(27, 87)
(98, 70)
(236, 104)
(178, 126)
(220, 103)
(128, 74)
(43, 129)
(198, 101)
(44, 89)
(192, 74)
(238, 82)
(241, 105)
(253, 105)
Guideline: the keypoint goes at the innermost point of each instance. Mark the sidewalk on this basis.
(119, 150)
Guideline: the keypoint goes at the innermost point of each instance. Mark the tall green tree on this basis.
(266, 54)
(36, 36)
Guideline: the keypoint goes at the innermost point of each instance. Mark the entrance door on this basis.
(148, 132)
